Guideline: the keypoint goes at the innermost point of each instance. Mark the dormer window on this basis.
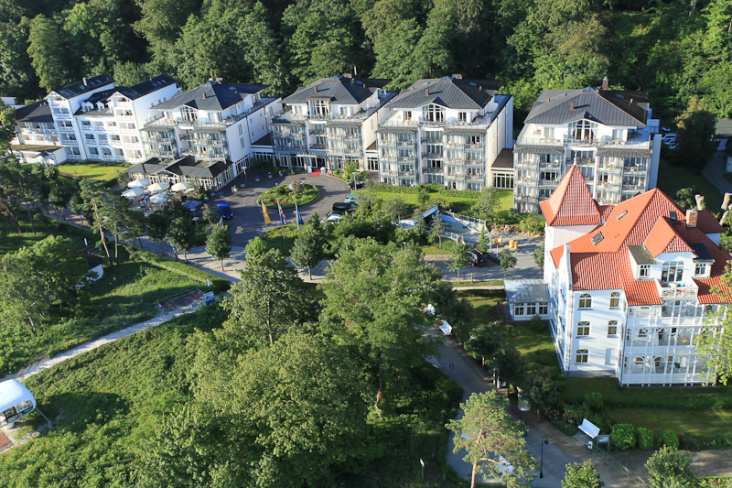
(189, 114)
(434, 113)
(297, 109)
(583, 130)
(644, 270)
(463, 116)
(701, 269)
(343, 111)
(407, 115)
(672, 271)
(318, 108)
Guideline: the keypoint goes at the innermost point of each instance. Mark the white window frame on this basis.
(583, 329)
(582, 356)
(585, 301)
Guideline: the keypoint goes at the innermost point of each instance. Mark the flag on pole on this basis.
(282, 214)
(298, 217)
(266, 215)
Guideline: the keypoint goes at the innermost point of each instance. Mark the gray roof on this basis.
(450, 91)
(345, 89)
(35, 112)
(397, 130)
(607, 107)
(145, 87)
(101, 96)
(265, 140)
(538, 150)
(504, 160)
(641, 255)
(84, 86)
(723, 128)
(212, 95)
(526, 291)
(185, 166)
(612, 153)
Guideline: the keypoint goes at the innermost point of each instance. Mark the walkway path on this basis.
(91, 345)
(714, 172)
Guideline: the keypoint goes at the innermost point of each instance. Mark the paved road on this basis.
(248, 218)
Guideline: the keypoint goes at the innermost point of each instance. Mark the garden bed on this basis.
(285, 196)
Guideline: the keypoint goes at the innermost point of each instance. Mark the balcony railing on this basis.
(678, 291)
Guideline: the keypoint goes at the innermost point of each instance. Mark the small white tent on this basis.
(16, 401)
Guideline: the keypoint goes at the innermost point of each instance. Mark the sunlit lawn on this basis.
(706, 424)
(92, 170)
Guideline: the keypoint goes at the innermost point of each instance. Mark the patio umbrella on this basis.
(158, 187)
(160, 197)
(182, 186)
(133, 192)
(138, 183)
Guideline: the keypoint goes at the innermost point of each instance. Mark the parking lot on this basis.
(248, 220)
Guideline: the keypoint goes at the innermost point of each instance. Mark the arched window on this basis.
(585, 301)
(583, 329)
(434, 113)
(615, 299)
(583, 130)
(583, 356)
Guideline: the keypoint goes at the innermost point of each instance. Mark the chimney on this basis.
(691, 216)
(315, 88)
(631, 101)
(204, 95)
(699, 202)
(605, 84)
(457, 76)
(427, 92)
(571, 105)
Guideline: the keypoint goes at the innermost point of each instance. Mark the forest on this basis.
(678, 50)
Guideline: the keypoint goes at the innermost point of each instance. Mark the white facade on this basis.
(447, 132)
(612, 136)
(629, 304)
(215, 122)
(330, 122)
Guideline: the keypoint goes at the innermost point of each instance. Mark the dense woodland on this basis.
(679, 50)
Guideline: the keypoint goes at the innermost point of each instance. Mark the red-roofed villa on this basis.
(629, 285)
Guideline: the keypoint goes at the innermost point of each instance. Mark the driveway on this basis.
(248, 221)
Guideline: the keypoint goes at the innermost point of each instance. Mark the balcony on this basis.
(534, 138)
(433, 171)
(676, 291)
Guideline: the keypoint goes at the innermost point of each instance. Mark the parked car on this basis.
(351, 198)
(343, 206)
(476, 257)
(334, 216)
(225, 210)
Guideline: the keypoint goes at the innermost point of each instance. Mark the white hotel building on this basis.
(628, 285)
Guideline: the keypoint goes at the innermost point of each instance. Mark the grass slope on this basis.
(96, 171)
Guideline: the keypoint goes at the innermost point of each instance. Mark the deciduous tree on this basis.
(582, 476)
(157, 227)
(507, 261)
(181, 233)
(218, 244)
(669, 468)
(307, 251)
(458, 257)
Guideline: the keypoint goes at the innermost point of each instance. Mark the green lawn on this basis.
(705, 425)
(673, 178)
(274, 240)
(286, 198)
(96, 171)
(459, 204)
(10, 241)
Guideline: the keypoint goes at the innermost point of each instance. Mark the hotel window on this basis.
(297, 109)
(583, 329)
(549, 132)
(612, 328)
(583, 356)
(644, 270)
(463, 116)
(615, 299)
(518, 309)
(543, 308)
(343, 111)
(700, 269)
(434, 113)
(407, 115)
(189, 114)
(585, 301)
(318, 108)
(531, 309)
(583, 130)
(617, 134)
(672, 271)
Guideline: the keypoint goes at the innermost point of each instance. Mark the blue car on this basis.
(225, 210)
(351, 198)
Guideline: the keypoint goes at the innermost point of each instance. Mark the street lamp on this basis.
(354, 179)
(544, 442)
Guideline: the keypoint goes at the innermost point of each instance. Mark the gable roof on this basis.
(212, 95)
(185, 166)
(35, 112)
(146, 87)
(571, 203)
(347, 89)
(603, 106)
(86, 85)
(650, 222)
(450, 91)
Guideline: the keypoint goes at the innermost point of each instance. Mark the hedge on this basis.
(623, 436)
(439, 189)
(670, 439)
(218, 285)
(645, 438)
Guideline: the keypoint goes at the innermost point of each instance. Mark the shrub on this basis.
(623, 436)
(670, 439)
(645, 438)
(594, 401)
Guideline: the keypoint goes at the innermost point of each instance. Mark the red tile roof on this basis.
(707, 222)
(664, 238)
(650, 219)
(571, 203)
